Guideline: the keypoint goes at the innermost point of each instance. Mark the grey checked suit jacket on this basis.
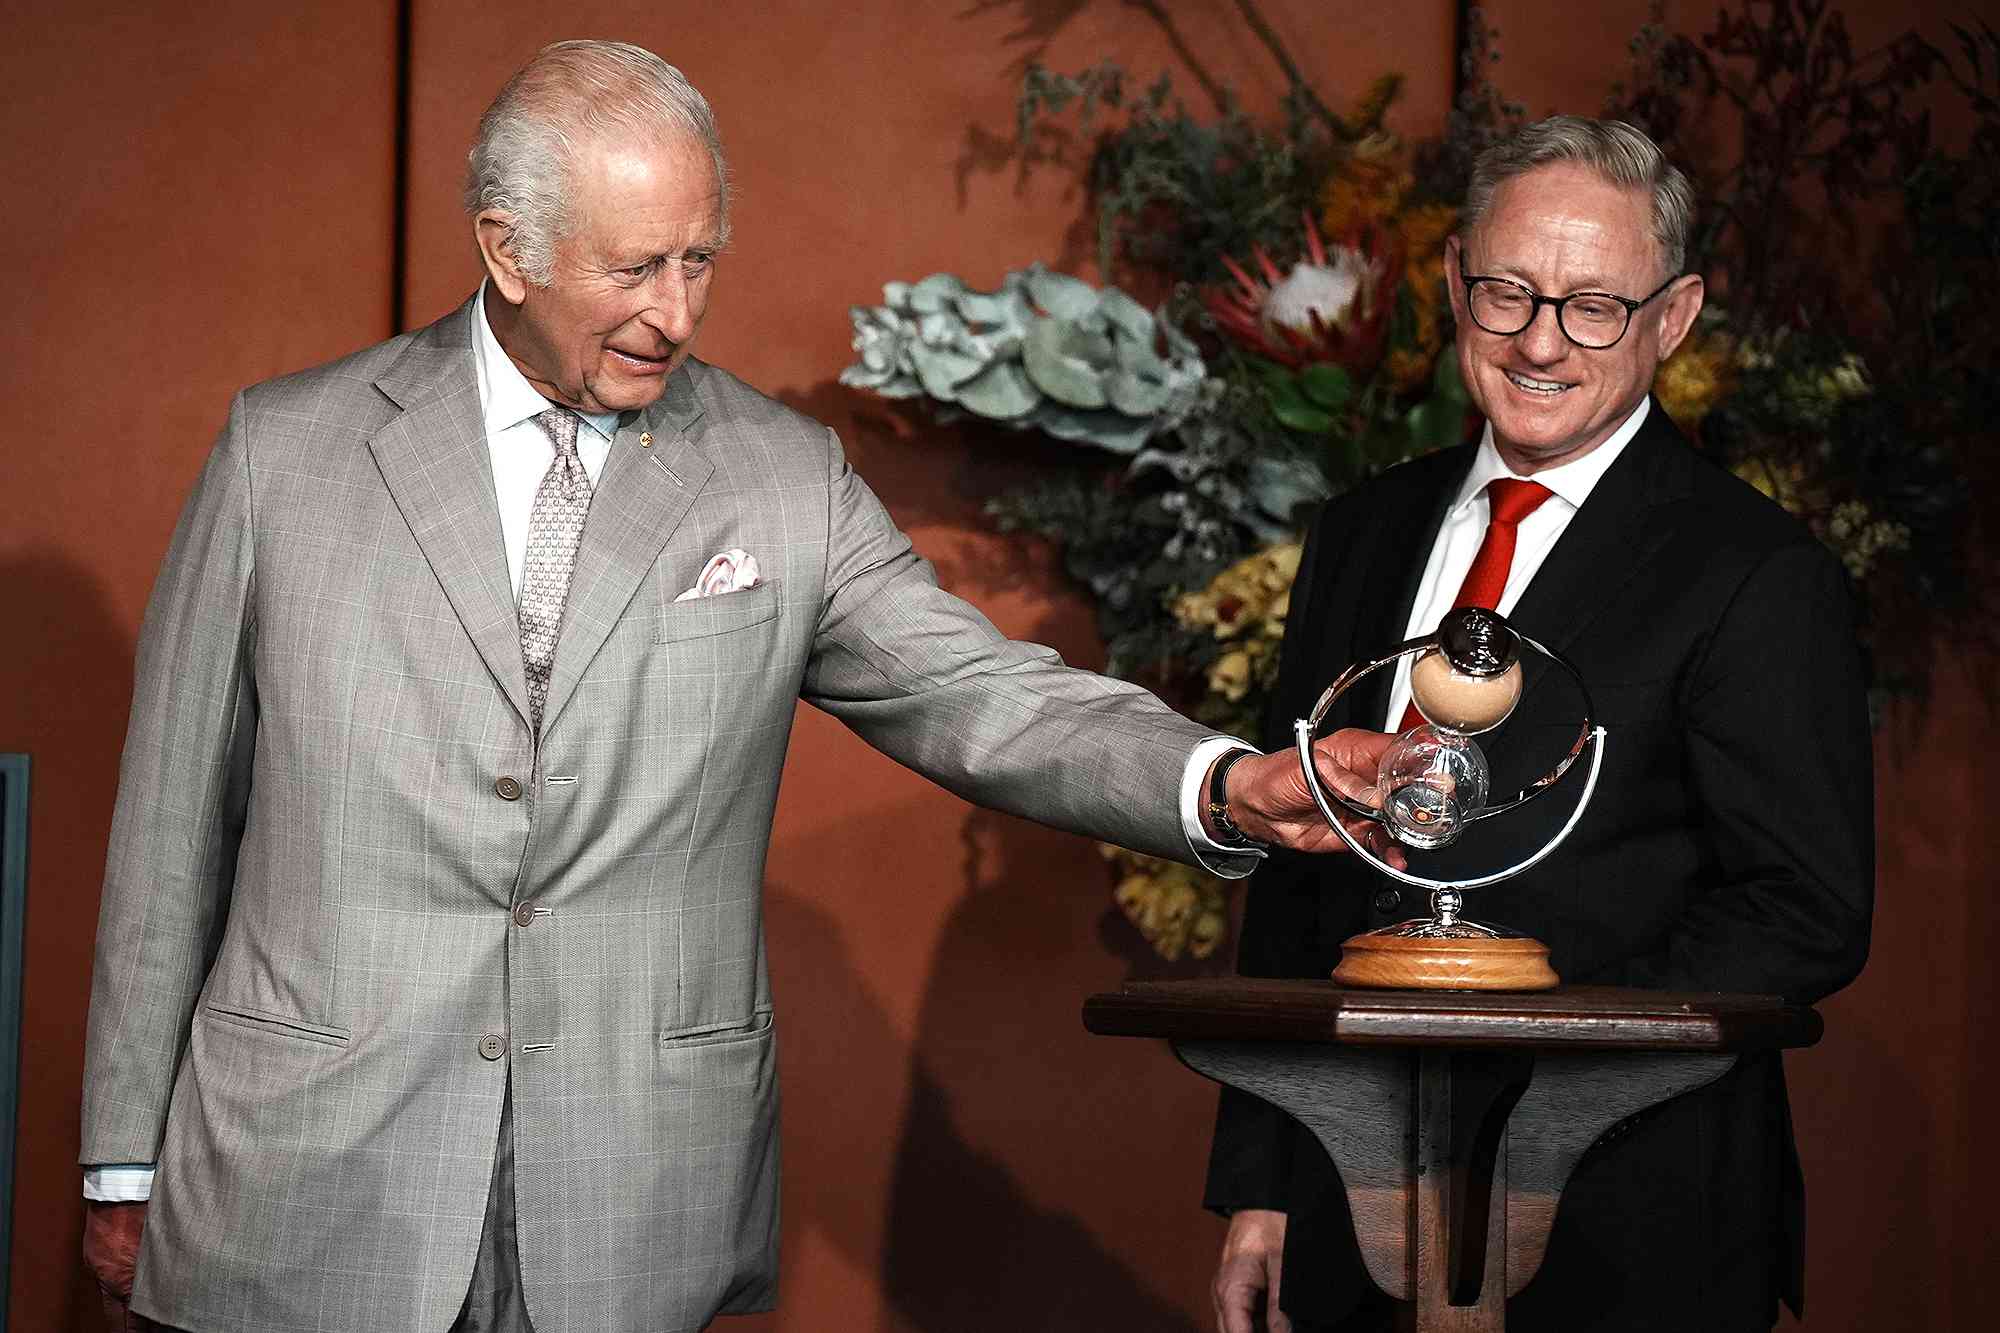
(306, 927)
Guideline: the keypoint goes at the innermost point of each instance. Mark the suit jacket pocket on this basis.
(700, 617)
(278, 1025)
(711, 1034)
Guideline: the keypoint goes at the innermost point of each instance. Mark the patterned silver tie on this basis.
(555, 530)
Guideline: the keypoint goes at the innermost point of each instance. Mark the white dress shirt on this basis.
(1464, 528)
(521, 453)
(521, 450)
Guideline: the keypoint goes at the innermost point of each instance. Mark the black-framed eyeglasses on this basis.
(1595, 320)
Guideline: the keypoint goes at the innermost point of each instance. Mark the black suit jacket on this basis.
(1730, 847)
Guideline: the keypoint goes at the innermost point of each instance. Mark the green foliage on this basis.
(1046, 352)
(1175, 193)
(1134, 553)
(1865, 396)
(1439, 420)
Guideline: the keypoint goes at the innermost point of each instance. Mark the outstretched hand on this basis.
(1269, 801)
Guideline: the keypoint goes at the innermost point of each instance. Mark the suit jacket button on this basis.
(1387, 900)
(507, 789)
(524, 914)
(492, 1046)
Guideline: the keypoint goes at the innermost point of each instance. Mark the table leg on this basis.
(1458, 1213)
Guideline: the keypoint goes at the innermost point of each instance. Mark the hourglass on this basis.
(1434, 782)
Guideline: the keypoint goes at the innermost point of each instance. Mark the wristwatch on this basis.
(1226, 832)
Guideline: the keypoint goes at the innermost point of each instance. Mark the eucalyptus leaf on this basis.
(1282, 486)
(990, 308)
(1042, 351)
(1134, 394)
(937, 292)
(1058, 294)
(1107, 430)
(1050, 357)
(1127, 317)
(1001, 392)
(942, 370)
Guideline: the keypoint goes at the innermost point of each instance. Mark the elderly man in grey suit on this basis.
(430, 987)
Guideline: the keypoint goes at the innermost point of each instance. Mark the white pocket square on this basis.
(732, 570)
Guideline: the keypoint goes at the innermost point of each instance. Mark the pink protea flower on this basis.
(1333, 306)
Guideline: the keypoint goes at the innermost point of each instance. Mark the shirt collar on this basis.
(506, 399)
(1571, 482)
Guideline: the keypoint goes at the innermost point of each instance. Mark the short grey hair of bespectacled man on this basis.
(1614, 150)
(571, 96)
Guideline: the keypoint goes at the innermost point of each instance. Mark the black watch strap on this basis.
(1226, 831)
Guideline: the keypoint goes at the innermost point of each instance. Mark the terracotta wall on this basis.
(173, 240)
(215, 205)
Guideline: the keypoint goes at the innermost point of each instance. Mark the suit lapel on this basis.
(435, 462)
(650, 481)
(1604, 546)
(1407, 527)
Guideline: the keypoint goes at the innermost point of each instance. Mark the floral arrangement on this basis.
(1297, 341)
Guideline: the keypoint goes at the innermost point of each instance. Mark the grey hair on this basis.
(1618, 152)
(572, 95)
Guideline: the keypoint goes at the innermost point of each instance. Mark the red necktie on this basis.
(1510, 500)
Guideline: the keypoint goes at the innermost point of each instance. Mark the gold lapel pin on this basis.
(645, 439)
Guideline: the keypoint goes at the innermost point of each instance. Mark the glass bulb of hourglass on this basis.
(1433, 784)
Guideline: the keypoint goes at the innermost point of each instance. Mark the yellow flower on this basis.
(1249, 596)
(1422, 232)
(1366, 190)
(1420, 237)
(1699, 374)
(1787, 483)
(1860, 539)
(1849, 379)
(1177, 908)
(1229, 676)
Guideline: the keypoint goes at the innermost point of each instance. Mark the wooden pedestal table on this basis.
(1454, 1118)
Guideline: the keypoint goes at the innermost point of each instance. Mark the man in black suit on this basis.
(1730, 846)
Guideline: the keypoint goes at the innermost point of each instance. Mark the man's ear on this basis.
(1682, 304)
(1454, 290)
(494, 231)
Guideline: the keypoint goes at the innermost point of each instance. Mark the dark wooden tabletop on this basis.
(1566, 1018)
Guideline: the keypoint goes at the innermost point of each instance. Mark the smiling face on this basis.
(1560, 229)
(629, 287)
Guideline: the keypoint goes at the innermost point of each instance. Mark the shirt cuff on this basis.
(128, 1182)
(1212, 856)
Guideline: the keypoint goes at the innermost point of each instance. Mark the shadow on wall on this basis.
(65, 691)
(966, 1246)
(1003, 1039)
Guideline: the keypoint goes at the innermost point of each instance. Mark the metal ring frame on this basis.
(1591, 735)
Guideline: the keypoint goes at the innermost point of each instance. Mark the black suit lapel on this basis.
(1597, 552)
(1608, 542)
(1404, 528)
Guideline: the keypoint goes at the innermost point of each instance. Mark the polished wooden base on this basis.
(1386, 959)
